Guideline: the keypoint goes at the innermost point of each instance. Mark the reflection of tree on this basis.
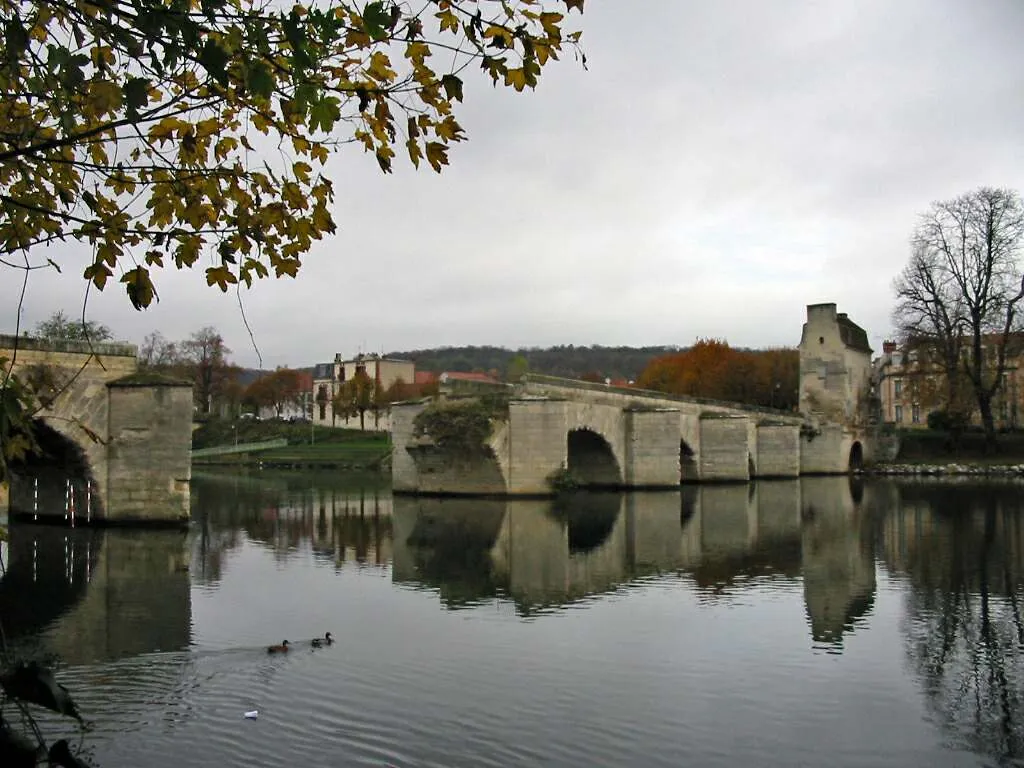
(964, 628)
(287, 513)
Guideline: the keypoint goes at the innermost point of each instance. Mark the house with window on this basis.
(911, 384)
(329, 378)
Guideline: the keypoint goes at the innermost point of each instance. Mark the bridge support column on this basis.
(537, 444)
(778, 450)
(724, 448)
(149, 464)
(652, 448)
(404, 475)
(823, 453)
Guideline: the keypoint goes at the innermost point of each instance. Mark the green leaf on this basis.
(325, 113)
(452, 87)
(139, 287)
(259, 80)
(136, 94)
(376, 20)
(215, 60)
(35, 684)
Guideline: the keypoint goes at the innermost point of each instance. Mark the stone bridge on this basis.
(593, 435)
(619, 438)
(116, 443)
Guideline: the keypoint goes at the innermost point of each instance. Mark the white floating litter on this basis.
(253, 714)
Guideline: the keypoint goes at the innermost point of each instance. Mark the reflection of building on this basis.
(911, 386)
(837, 553)
(328, 378)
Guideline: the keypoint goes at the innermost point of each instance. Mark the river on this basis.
(819, 622)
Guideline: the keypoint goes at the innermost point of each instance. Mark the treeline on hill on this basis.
(567, 360)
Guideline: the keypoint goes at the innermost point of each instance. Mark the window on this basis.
(899, 414)
(915, 414)
(898, 385)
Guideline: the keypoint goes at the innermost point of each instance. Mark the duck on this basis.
(325, 640)
(282, 648)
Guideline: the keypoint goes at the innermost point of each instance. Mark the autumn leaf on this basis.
(144, 153)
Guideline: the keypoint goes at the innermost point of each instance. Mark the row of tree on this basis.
(713, 369)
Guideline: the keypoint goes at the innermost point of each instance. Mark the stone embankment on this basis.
(957, 469)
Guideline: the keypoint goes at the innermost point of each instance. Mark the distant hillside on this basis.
(567, 360)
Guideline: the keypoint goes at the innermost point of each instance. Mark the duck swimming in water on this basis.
(282, 648)
(325, 640)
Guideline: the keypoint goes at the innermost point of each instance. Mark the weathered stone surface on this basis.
(778, 450)
(725, 450)
(134, 432)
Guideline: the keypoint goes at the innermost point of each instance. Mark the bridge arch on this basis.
(856, 455)
(57, 479)
(591, 461)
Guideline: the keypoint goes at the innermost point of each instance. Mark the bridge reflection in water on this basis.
(543, 554)
(116, 593)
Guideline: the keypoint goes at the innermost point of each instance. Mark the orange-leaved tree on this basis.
(713, 369)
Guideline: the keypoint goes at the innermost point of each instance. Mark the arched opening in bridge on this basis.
(54, 481)
(856, 456)
(687, 463)
(591, 462)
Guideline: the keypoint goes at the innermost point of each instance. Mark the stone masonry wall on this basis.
(538, 444)
(149, 461)
(778, 450)
(823, 453)
(81, 407)
(652, 448)
(404, 476)
(724, 449)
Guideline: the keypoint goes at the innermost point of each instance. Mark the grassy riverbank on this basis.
(308, 446)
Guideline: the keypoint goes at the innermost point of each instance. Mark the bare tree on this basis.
(205, 358)
(158, 353)
(959, 297)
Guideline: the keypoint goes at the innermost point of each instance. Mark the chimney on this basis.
(888, 347)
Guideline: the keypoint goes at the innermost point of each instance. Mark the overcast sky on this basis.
(721, 165)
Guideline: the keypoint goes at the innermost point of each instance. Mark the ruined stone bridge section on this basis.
(130, 432)
(611, 439)
(593, 435)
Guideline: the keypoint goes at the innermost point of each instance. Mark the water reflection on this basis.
(682, 591)
(543, 555)
(961, 547)
(89, 594)
(342, 519)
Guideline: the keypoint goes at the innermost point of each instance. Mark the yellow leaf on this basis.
(516, 78)
(448, 20)
(414, 152)
(220, 276)
(379, 68)
(301, 171)
(437, 155)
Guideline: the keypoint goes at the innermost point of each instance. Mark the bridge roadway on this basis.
(116, 442)
(619, 437)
